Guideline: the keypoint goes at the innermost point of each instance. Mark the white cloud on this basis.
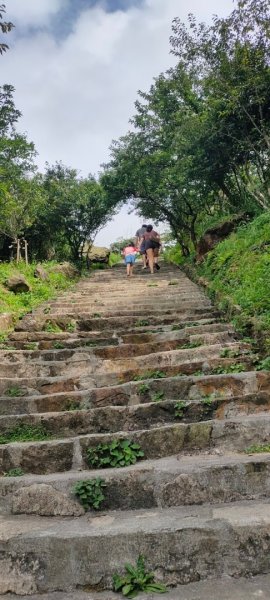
(77, 93)
(32, 12)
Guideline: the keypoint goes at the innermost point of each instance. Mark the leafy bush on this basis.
(136, 580)
(16, 472)
(25, 433)
(89, 492)
(179, 409)
(118, 453)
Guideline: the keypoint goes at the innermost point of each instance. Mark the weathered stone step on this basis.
(84, 323)
(181, 545)
(173, 481)
(83, 372)
(45, 340)
(175, 388)
(173, 340)
(234, 434)
(149, 414)
(225, 588)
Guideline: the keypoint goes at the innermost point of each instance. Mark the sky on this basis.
(77, 65)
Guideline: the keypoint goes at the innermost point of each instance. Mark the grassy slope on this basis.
(238, 273)
(19, 304)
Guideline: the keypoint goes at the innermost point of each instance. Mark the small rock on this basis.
(6, 321)
(40, 273)
(18, 284)
(42, 499)
(66, 269)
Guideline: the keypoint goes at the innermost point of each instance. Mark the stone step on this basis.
(173, 481)
(49, 399)
(141, 416)
(171, 341)
(85, 323)
(182, 545)
(225, 588)
(45, 340)
(58, 455)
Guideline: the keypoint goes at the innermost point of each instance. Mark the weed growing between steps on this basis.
(17, 472)
(14, 392)
(150, 375)
(180, 409)
(118, 453)
(136, 580)
(142, 323)
(25, 433)
(190, 345)
(143, 389)
(158, 396)
(258, 449)
(90, 492)
(58, 346)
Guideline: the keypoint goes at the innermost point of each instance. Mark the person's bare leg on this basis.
(150, 256)
(131, 270)
(128, 269)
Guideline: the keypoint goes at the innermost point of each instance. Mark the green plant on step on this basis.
(14, 392)
(31, 346)
(137, 579)
(143, 389)
(177, 327)
(70, 406)
(152, 285)
(25, 433)
(16, 472)
(258, 449)
(208, 400)
(190, 345)
(70, 327)
(47, 310)
(158, 396)
(118, 453)
(180, 409)
(173, 282)
(90, 344)
(7, 347)
(150, 375)
(96, 315)
(90, 492)
(142, 323)
(51, 327)
(235, 368)
(191, 324)
(228, 353)
(264, 365)
(58, 346)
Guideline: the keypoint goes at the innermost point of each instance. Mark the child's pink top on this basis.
(129, 250)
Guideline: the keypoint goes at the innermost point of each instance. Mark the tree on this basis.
(5, 27)
(74, 211)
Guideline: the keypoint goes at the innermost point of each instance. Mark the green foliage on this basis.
(41, 291)
(14, 392)
(58, 346)
(90, 492)
(70, 327)
(118, 453)
(264, 365)
(150, 375)
(51, 327)
(143, 389)
(238, 269)
(190, 345)
(31, 346)
(136, 580)
(173, 282)
(158, 396)
(180, 409)
(258, 449)
(25, 433)
(142, 323)
(16, 472)
(234, 368)
(115, 259)
(72, 405)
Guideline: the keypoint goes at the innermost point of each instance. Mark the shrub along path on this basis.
(139, 386)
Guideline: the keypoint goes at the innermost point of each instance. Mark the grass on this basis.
(150, 375)
(25, 433)
(41, 291)
(238, 274)
(258, 449)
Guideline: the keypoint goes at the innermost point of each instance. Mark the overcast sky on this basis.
(77, 65)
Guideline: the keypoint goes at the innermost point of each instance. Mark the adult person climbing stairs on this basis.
(152, 246)
(140, 243)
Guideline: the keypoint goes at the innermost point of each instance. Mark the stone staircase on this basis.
(146, 359)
